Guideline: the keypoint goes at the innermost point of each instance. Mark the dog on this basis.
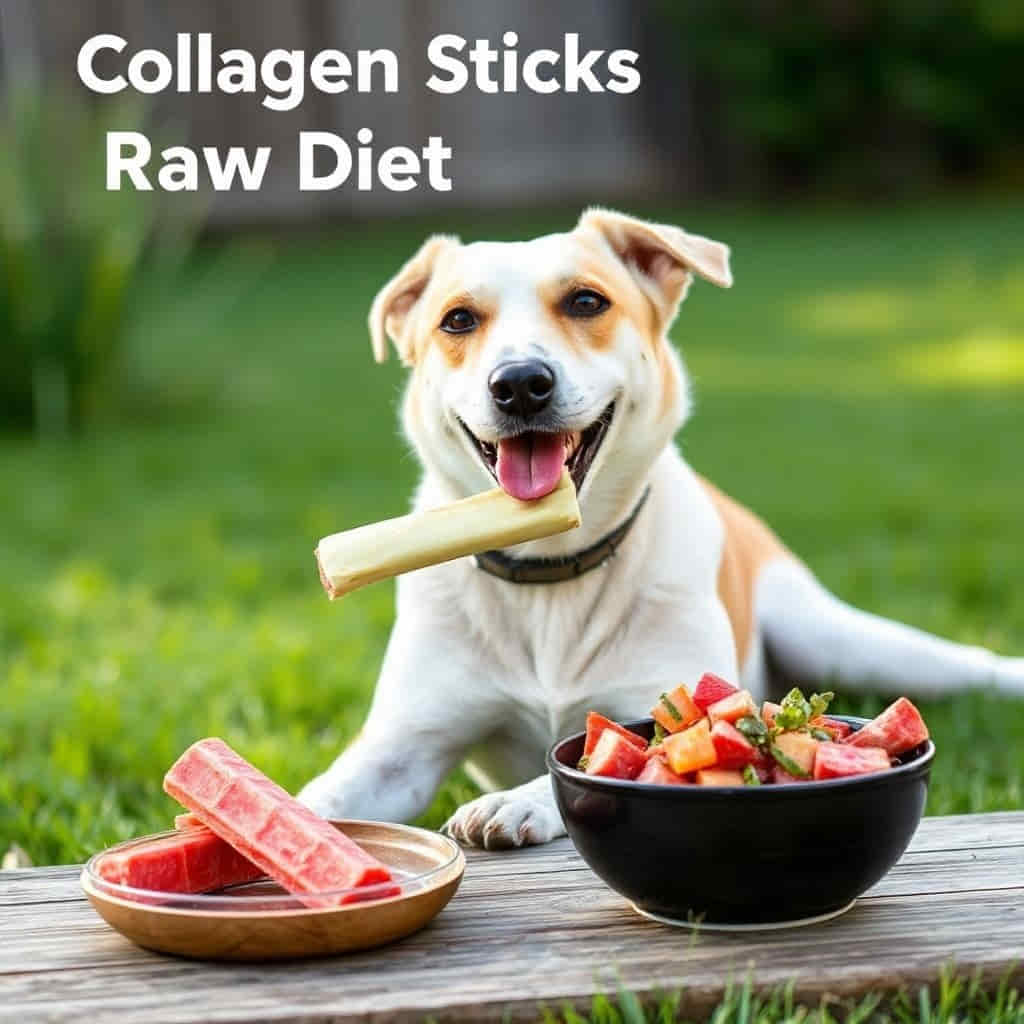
(524, 357)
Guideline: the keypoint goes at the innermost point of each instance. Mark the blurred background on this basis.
(188, 402)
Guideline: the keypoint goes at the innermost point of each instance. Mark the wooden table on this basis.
(530, 927)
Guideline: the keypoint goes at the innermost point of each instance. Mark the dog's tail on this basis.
(810, 636)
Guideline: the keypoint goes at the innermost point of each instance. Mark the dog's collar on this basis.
(564, 567)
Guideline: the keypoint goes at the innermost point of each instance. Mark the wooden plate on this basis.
(261, 921)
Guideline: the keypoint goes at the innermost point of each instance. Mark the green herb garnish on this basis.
(670, 708)
(819, 703)
(659, 734)
(754, 729)
(750, 777)
(582, 763)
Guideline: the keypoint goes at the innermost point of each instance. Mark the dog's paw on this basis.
(500, 821)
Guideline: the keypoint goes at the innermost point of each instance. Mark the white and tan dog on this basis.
(525, 356)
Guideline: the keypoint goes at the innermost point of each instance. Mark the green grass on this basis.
(862, 387)
(956, 998)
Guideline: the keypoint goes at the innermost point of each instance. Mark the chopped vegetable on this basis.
(616, 757)
(896, 730)
(676, 711)
(719, 777)
(596, 724)
(710, 690)
(729, 709)
(734, 750)
(720, 737)
(795, 751)
(657, 771)
(836, 760)
(690, 750)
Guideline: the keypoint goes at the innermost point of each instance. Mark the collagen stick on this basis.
(483, 522)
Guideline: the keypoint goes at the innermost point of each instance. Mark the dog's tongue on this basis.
(529, 466)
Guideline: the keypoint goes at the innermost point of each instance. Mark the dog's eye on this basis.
(458, 321)
(586, 302)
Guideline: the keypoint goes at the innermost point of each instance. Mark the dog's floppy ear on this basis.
(390, 309)
(664, 254)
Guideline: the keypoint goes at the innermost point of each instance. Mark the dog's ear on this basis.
(390, 310)
(663, 254)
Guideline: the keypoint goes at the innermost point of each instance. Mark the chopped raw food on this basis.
(836, 760)
(734, 750)
(833, 726)
(732, 708)
(794, 753)
(690, 750)
(896, 730)
(616, 757)
(719, 777)
(711, 689)
(186, 821)
(676, 711)
(195, 861)
(719, 737)
(596, 724)
(657, 771)
(297, 848)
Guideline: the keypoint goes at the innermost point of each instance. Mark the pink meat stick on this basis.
(195, 861)
(300, 850)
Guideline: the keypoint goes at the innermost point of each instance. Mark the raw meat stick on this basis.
(195, 861)
(486, 521)
(296, 847)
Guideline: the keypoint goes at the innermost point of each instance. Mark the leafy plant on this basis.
(71, 257)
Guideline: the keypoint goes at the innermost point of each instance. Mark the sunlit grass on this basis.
(157, 581)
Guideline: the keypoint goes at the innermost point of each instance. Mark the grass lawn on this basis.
(862, 387)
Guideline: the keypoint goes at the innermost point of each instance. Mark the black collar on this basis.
(564, 567)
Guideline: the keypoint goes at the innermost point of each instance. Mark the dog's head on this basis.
(530, 355)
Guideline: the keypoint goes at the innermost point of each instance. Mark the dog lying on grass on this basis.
(526, 357)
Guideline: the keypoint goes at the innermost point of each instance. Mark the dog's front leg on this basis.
(419, 726)
(524, 816)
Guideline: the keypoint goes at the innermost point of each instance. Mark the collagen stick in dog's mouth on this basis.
(483, 522)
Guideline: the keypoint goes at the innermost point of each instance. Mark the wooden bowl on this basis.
(260, 921)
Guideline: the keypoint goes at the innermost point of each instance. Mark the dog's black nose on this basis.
(522, 388)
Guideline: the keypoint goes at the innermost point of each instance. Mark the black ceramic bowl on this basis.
(753, 856)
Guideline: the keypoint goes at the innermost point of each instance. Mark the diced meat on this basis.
(836, 760)
(658, 772)
(296, 847)
(615, 757)
(734, 750)
(732, 708)
(596, 724)
(719, 777)
(196, 861)
(896, 730)
(710, 690)
(676, 711)
(799, 748)
(690, 750)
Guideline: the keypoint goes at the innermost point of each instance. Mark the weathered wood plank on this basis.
(529, 927)
(496, 974)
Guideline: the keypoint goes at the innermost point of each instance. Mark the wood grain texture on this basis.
(526, 928)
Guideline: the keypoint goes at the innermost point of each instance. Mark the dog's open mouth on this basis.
(529, 465)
